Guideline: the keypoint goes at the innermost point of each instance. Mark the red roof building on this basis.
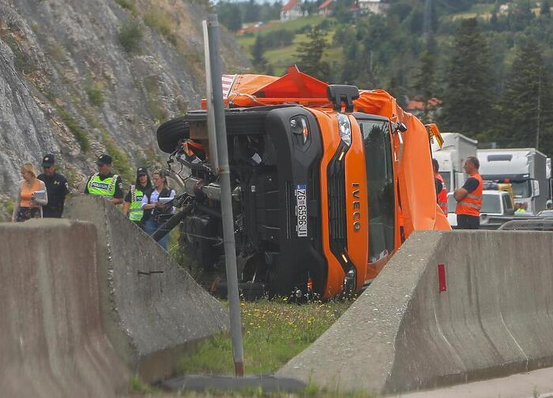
(326, 8)
(291, 10)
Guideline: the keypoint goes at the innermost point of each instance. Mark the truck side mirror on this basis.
(535, 188)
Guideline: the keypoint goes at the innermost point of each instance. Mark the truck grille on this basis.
(336, 174)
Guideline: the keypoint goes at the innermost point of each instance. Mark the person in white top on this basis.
(159, 212)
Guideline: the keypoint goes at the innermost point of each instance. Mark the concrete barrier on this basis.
(52, 343)
(403, 334)
(153, 310)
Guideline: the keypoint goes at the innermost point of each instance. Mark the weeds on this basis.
(96, 94)
(162, 24)
(130, 36)
(73, 126)
(273, 331)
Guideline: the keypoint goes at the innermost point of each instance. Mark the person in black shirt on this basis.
(56, 187)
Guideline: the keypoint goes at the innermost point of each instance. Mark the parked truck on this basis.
(524, 168)
(451, 157)
(327, 182)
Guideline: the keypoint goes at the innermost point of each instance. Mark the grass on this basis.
(73, 126)
(273, 331)
(96, 94)
(281, 58)
(162, 23)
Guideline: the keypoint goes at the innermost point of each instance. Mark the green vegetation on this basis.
(161, 23)
(130, 36)
(460, 52)
(96, 94)
(274, 332)
(152, 99)
(128, 5)
(73, 126)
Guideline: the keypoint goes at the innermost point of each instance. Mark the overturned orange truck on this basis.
(327, 182)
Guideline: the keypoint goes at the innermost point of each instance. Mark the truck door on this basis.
(377, 145)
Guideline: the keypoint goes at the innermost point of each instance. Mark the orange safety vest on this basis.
(442, 195)
(471, 204)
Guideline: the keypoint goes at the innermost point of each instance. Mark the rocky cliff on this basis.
(83, 77)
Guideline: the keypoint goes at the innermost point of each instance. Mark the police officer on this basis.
(104, 182)
(469, 197)
(132, 206)
(56, 187)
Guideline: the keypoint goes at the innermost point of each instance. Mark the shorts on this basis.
(26, 213)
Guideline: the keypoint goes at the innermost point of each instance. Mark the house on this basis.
(416, 107)
(378, 7)
(326, 8)
(291, 10)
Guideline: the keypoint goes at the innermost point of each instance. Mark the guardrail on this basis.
(543, 224)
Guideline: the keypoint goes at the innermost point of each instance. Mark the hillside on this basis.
(482, 67)
(79, 78)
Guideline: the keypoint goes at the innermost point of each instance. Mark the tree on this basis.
(469, 87)
(545, 9)
(310, 55)
(229, 15)
(526, 105)
(259, 62)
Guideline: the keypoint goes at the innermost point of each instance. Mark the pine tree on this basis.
(526, 105)
(545, 9)
(259, 62)
(310, 55)
(469, 94)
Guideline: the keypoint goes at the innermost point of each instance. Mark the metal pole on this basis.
(226, 199)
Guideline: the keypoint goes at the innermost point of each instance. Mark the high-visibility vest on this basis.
(442, 195)
(99, 187)
(472, 203)
(135, 209)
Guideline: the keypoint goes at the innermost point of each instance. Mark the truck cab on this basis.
(325, 181)
(524, 168)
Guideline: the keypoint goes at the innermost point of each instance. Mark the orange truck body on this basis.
(407, 196)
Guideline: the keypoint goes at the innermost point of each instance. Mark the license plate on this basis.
(301, 210)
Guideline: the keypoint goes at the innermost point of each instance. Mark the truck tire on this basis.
(170, 133)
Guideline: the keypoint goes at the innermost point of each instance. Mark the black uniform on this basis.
(57, 188)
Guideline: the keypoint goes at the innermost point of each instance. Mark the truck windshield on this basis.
(491, 204)
(378, 158)
(521, 189)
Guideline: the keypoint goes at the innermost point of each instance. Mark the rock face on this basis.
(79, 78)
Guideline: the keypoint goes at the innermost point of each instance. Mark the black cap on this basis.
(103, 159)
(48, 160)
(141, 171)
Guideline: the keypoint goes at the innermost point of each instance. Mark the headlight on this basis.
(300, 129)
(344, 128)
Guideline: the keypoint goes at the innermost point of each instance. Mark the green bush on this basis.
(130, 36)
(73, 126)
(96, 94)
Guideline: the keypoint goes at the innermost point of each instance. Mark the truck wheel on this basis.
(170, 133)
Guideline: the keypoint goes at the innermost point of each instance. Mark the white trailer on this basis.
(451, 156)
(524, 168)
